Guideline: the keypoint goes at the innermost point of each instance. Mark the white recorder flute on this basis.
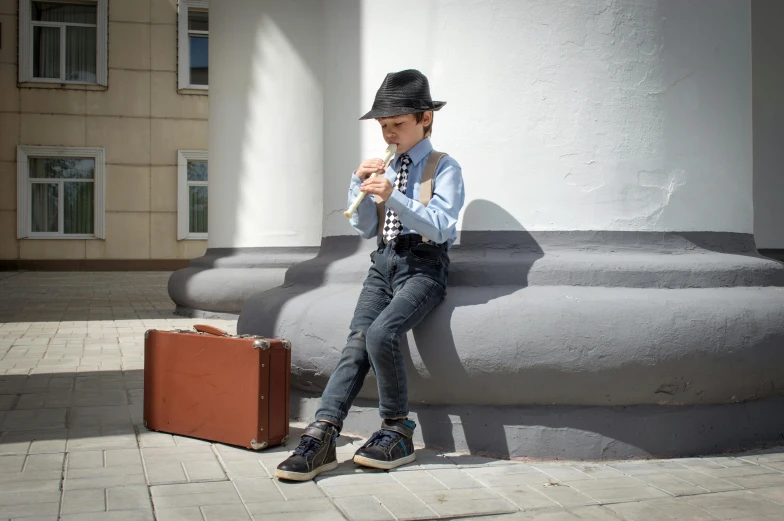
(388, 155)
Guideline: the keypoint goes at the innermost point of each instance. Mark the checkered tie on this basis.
(392, 225)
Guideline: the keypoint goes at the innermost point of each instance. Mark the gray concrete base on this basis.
(219, 283)
(609, 330)
(578, 433)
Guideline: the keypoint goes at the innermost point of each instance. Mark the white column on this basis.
(266, 118)
(265, 152)
(591, 115)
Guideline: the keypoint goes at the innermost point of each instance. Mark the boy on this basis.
(406, 280)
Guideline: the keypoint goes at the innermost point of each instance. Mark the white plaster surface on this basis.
(768, 48)
(266, 103)
(599, 114)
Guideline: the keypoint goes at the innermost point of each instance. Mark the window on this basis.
(193, 44)
(63, 42)
(192, 194)
(60, 192)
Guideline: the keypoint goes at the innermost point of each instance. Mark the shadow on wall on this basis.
(433, 337)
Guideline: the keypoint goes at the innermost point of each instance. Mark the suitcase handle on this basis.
(204, 328)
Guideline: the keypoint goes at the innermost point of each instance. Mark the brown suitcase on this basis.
(210, 385)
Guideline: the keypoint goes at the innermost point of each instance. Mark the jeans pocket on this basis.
(426, 253)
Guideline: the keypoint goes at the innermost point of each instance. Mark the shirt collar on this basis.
(418, 151)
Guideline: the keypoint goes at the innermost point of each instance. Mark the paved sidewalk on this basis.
(72, 444)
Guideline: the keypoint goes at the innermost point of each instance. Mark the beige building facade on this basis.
(103, 133)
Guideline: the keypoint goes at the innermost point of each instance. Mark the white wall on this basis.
(266, 115)
(615, 115)
(768, 53)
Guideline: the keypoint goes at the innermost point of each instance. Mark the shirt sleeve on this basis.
(438, 219)
(365, 219)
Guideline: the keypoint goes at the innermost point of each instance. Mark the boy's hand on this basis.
(369, 166)
(378, 185)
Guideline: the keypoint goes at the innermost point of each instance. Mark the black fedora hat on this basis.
(404, 92)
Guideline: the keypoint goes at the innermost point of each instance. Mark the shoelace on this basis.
(384, 439)
(307, 447)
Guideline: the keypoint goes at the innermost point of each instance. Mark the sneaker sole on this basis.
(384, 465)
(301, 476)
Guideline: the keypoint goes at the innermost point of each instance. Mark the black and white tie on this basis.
(392, 225)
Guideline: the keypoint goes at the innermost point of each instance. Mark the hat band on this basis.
(405, 102)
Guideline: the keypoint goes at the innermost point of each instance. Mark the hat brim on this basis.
(391, 112)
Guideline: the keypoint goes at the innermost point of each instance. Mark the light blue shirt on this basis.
(438, 220)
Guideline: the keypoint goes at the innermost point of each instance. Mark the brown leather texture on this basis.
(204, 328)
(217, 388)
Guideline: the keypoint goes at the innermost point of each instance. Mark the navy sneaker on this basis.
(389, 447)
(314, 455)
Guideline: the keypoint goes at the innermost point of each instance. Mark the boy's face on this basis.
(404, 131)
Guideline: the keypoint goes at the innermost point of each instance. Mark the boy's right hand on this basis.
(369, 166)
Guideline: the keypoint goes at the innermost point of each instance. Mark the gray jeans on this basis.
(405, 282)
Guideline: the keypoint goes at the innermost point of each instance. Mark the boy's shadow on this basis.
(492, 264)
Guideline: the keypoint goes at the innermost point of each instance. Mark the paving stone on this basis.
(261, 509)
(554, 516)
(492, 478)
(524, 497)
(455, 478)
(774, 494)
(82, 501)
(11, 464)
(17, 504)
(598, 471)
(150, 439)
(101, 438)
(622, 495)
(736, 472)
(679, 508)
(194, 494)
(120, 515)
(8, 479)
(22, 420)
(366, 508)
(100, 416)
(128, 498)
(420, 480)
(302, 490)
(634, 468)
(365, 489)
(563, 473)
(44, 462)
(599, 484)
(705, 481)
(758, 480)
(565, 496)
(245, 469)
(726, 505)
(259, 490)
(331, 515)
(86, 478)
(405, 506)
(225, 513)
(6, 400)
(595, 513)
(639, 512)
(672, 485)
(471, 501)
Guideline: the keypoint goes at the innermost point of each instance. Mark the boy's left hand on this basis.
(378, 185)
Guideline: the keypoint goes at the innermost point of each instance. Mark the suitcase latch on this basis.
(256, 445)
(261, 344)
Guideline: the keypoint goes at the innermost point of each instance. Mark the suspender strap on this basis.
(425, 189)
(426, 185)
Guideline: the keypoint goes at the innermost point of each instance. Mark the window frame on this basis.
(183, 213)
(183, 44)
(26, 44)
(24, 206)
